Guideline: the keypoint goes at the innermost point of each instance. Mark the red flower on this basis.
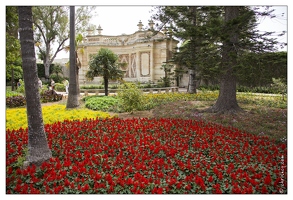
(210, 179)
(85, 188)
(268, 179)
(264, 190)
(157, 191)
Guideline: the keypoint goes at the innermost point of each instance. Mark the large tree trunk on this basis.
(72, 101)
(38, 150)
(226, 101)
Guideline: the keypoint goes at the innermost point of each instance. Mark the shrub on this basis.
(15, 101)
(59, 87)
(131, 97)
(103, 103)
(57, 78)
(12, 93)
(92, 87)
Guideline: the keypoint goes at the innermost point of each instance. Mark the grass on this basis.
(258, 120)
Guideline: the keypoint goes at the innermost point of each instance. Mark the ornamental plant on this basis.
(16, 118)
(131, 97)
(148, 156)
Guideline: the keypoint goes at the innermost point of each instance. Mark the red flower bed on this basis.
(148, 156)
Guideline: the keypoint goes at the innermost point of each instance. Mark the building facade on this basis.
(142, 53)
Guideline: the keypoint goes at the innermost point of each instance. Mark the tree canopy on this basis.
(216, 38)
(104, 64)
(13, 59)
(52, 27)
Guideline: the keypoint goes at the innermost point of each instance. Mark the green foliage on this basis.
(41, 69)
(21, 88)
(102, 103)
(258, 69)
(56, 78)
(131, 97)
(59, 87)
(92, 87)
(167, 79)
(280, 86)
(104, 64)
(10, 93)
(13, 58)
(17, 72)
(21, 159)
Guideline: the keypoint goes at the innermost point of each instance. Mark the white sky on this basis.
(116, 20)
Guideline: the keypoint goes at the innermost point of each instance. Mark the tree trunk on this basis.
(78, 65)
(72, 101)
(192, 72)
(47, 68)
(106, 82)
(12, 78)
(38, 150)
(226, 101)
(192, 82)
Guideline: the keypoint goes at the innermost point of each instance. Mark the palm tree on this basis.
(77, 42)
(38, 150)
(72, 101)
(104, 64)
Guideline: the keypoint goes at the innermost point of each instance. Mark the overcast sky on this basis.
(117, 20)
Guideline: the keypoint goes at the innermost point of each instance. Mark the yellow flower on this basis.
(16, 117)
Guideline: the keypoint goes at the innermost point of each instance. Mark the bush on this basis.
(131, 97)
(57, 78)
(92, 87)
(15, 101)
(12, 93)
(59, 87)
(102, 103)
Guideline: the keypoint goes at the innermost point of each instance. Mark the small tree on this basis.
(168, 74)
(131, 97)
(104, 63)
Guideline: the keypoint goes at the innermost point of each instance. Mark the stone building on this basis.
(142, 52)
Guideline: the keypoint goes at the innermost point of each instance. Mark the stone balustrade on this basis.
(145, 90)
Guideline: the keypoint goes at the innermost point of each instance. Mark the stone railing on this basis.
(145, 90)
(140, 36)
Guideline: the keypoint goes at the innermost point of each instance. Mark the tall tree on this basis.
(38, 150)
(78, 41)
(227, 97)
(238, 36)
(13, 59)
(51, 24)
(223, 35)
(104, 63)
(72, 101)
(189, 24)
(52, 27)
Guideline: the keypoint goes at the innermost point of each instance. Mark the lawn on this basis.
(199, 153)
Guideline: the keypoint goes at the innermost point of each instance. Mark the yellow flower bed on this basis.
(169, 97)
(16, 117)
